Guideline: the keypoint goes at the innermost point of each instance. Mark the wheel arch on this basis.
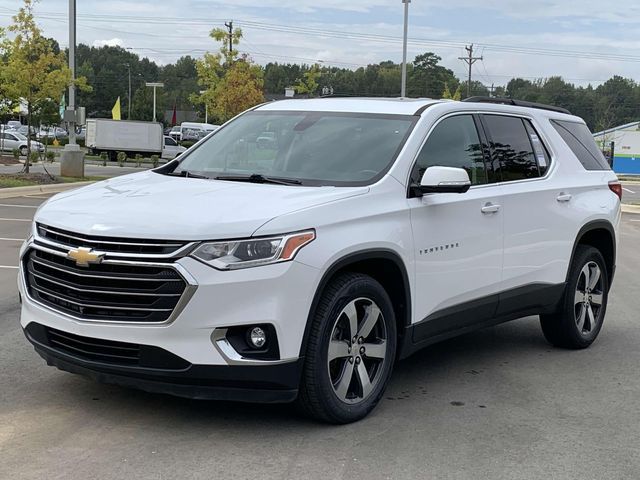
(599, 234)
(385, 266)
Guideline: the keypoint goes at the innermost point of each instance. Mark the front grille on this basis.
(104, 292)
(132, 246)
(104, 351)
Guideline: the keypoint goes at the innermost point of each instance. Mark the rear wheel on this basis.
(23, 151)
(350, 351)
(580, 320)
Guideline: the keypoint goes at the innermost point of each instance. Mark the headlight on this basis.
(235, 254)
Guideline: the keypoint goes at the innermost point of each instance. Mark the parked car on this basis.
(52, 133)
(81, 133)
(12, 140)
(373, 229)
(266, 140)
(192, 131)
(171, 148)
(15, 124)
(25, 129)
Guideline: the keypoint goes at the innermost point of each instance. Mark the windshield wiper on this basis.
(186, 174)
(257, 178)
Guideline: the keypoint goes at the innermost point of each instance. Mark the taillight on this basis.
(616, 187)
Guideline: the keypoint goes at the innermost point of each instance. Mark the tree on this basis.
(427, 77)
(232, 83)
(308, 85)
(32, 71)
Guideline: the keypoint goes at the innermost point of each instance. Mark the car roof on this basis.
(395, 106)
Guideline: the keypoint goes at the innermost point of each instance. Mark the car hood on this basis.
(151, 205)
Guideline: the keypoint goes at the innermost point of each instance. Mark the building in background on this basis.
(624, 142)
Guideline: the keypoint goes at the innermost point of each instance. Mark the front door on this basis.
(458, 238)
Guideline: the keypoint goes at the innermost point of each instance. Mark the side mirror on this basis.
(445, 180)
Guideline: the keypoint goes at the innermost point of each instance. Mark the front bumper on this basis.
(278, 295)
(264, 384)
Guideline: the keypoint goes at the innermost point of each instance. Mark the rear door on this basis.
(538, 226)
(457, 237)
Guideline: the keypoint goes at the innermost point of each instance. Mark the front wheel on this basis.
(23, 151)
(350, 351)
(580, 319)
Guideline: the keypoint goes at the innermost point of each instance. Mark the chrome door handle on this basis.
(564, 197)
(490, 208)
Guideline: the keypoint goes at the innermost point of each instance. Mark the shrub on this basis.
(122, 158)
(188, 143)
(34, 157)
(51, 156)
(155, 161)
(138, 159)
(16, 153)
(104, 156)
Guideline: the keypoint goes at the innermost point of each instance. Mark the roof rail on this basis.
(517, 103)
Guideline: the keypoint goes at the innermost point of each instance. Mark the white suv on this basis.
(304, 267)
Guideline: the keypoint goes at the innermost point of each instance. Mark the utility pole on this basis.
(230, 28)
(469, 60)
(403, 88)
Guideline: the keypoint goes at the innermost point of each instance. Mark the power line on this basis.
(469, 60)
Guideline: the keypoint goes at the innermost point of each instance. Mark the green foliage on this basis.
(231, 83)
(309, 84)
(32, 68)
(34, 157)
(16, 154)
(122, 158)
(51, 156)
(155, 161)
(138, 160)
(104, 156)
(188, 143)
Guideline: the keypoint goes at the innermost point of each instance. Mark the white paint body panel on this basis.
(528, 240)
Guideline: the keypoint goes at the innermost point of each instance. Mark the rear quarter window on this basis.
(579, 139)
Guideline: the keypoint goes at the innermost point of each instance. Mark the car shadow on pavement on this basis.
(430, 371)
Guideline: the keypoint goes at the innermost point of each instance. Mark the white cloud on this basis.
(112, 42)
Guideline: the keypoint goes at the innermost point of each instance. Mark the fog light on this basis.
(257, 337)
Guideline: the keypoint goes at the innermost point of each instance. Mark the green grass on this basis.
(11, 181)
(14, 182)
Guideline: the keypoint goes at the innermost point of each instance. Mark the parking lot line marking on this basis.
(627, 190)
(17, 206)
(11, 239)
(15, 220)
(10, 267)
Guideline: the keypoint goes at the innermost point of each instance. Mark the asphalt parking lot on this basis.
(495, 404)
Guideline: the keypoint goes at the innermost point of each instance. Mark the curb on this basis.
(631, 209)
(35, 189)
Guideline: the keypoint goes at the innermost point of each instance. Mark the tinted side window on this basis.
(582, 144)
(542, 154)
(453, 143)
(511, 147)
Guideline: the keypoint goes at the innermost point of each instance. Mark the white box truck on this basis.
(131, 137)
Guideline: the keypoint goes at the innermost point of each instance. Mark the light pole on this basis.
(206, 108)
(403, 89)
(72, 69)
(154, 85)
(128, 65)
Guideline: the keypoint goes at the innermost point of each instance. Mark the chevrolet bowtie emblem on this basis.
(85, 256)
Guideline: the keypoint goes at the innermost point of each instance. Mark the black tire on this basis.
(23, 151)
(318, 397)
(562, 329)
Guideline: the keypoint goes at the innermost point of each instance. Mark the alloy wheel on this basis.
(357, 350)
(588, 298)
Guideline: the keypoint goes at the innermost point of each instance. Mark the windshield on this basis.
(316, 148)
(19, 136)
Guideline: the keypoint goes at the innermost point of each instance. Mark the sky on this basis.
(584, 41)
